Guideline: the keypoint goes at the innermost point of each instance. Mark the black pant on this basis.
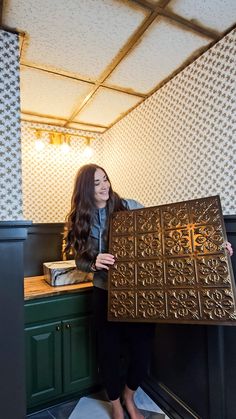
(112, 338)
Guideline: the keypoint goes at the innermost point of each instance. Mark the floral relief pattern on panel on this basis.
(124, 275)
(150, 273)
(218, 304)
(123, 304)
(177, 275)
(183, 304)
(148, 222)
(148, 245)
(180, 272)
(151, 305)
(213, 270)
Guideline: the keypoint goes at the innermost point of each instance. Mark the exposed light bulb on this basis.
(65, 148)
(39, 145)
(88, 152)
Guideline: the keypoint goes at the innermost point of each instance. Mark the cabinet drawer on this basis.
(58, 306)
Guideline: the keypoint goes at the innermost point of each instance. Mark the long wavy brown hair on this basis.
(80, 218)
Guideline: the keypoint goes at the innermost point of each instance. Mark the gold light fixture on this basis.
(88, 151)
(60, 139)
(63, 140)
(39, 144)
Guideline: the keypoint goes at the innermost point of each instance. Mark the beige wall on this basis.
(10, 145)
(48, 174)
(180, 143)
(177, 145)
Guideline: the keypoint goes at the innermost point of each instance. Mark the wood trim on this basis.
(1, 10)
(121, 54)
(80, 79)
(210, 33)
(58, 118)
(57, 73)
(174, 407)
(12, 30)
(157, 10)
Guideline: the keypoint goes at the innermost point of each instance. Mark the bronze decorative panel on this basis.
(171, 265)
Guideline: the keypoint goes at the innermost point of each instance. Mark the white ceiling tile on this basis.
(213, 14)
(163, 48)
(81, 37)
(106, 106)
(49, 94)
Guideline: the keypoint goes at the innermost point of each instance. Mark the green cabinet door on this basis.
(78, 354)
(43, 353)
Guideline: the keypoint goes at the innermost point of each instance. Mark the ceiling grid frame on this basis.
(154, 10)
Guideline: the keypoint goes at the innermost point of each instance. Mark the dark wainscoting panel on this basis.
(193, 370)
(12, 366)
(44, 244)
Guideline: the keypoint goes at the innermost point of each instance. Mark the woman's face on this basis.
(101, 188)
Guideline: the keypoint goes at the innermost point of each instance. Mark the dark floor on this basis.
(64, 410)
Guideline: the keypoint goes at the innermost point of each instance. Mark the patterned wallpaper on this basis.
(48, 174)
(180, 143)
(175, 146)
(10, 147)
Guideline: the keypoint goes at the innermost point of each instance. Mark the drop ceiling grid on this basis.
(28, 117)
(99, 28)
(163, 48)
(102, 29)
(85, 127)
(99, 109)
(46, 93)
(214, 14)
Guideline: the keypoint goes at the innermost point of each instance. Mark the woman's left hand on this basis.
(229, 248)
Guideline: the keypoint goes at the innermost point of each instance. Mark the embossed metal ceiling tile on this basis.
(99, 110)
(81, 37)
(47, 94)
(85, 127)
(218, 14)
(171, 266)
(163, 48)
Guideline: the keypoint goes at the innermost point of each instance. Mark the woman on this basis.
(93, 201)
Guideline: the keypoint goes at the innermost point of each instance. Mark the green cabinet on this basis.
(60, 347)
(43, 362)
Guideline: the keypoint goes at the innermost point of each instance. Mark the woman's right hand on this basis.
(103, 260)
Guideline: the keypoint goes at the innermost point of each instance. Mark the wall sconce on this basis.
(88, 151)
(62, 140)
(39, 144)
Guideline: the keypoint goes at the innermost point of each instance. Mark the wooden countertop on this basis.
(37, 287)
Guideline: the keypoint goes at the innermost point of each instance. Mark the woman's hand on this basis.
(229, 248)
(103, 261)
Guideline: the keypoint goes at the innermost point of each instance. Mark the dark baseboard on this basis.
(167, 401)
